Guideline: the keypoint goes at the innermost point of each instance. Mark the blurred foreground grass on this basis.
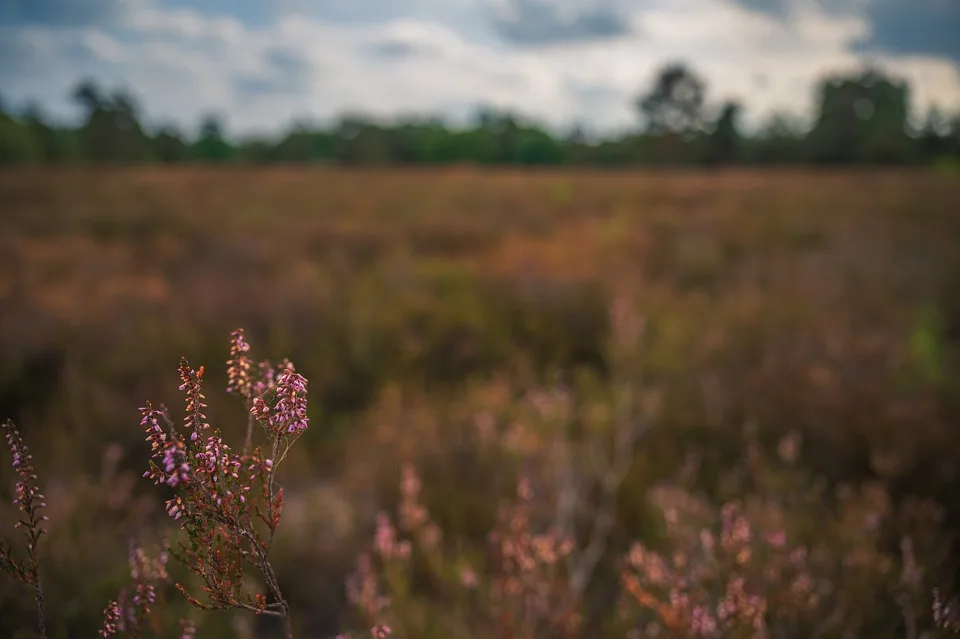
(427, 306)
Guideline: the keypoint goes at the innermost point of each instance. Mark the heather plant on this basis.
(227, 505)
(785, 557)
(530, 577)
(141, 605)
(519, 587)
(29, 502)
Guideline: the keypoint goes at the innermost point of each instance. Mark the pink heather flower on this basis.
(468, 578)
(190, 379)
(170, 462)
(289, 414)
(430, 536)
(28, 497)
(266, 379)
(944, 613)
(362, 588)
(385, 539)
(702, 622)
(239, 365)
(380, 631)
(112, 620)
(776, 539)
(145, 596)
(188, 630)
(291, 407)
(175, 507)
(143, 567)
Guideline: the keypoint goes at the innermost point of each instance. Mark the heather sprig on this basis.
(530, 585)
(240, 380)
(139, 605)
(220, 496)
(946, 614)
(30, 502)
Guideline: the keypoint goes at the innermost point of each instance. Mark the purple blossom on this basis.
(291, 408)
(171, 465)
(289, 413)
(27, 493)
(188, 630)
(267, 379)
(381, 631)
(239, 365)
(112, 620)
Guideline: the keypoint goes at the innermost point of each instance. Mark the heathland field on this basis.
(751, 380)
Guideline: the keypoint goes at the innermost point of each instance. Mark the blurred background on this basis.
(455, 217)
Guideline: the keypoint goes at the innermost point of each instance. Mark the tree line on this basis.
(860, 118)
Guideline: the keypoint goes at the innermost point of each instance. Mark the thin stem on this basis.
(249, 439)
(270, 482)
(271, 579)
(38, 595)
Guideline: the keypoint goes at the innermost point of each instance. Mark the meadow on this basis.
(751, 379)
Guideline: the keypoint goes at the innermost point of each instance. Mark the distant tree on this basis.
(949, 143)
(723, 144)
(87, 94)
(211, 145)
(933, 139)
(112, 130)
(211, 128)
(779, 141)
(861, 118)
(675, 102)
(255, 151)
(297, 145)
(503, 130)
(361, 141)
(537, 147)
(17, 144)
(169, 145)
(55, 145)
(672, 110)
(577, 146)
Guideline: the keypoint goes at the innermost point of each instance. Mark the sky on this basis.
(262, 65)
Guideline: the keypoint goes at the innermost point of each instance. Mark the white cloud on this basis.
(183, 63)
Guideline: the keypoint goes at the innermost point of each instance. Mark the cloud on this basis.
(926, 27)
(64, 12)
(537, 22)
(284, 72)
(410, 38)
(897, 27)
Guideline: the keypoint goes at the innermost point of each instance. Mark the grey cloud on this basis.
(594, 93)
(61, 12)
(929, 27)
(395, 49)
(25, 53)
(285, 73)
(783, 8)
(351, 11)
(923, 27)
(540, 22)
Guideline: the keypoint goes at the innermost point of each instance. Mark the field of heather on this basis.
(686, 404)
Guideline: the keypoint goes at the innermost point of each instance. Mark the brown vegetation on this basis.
(428, 308)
